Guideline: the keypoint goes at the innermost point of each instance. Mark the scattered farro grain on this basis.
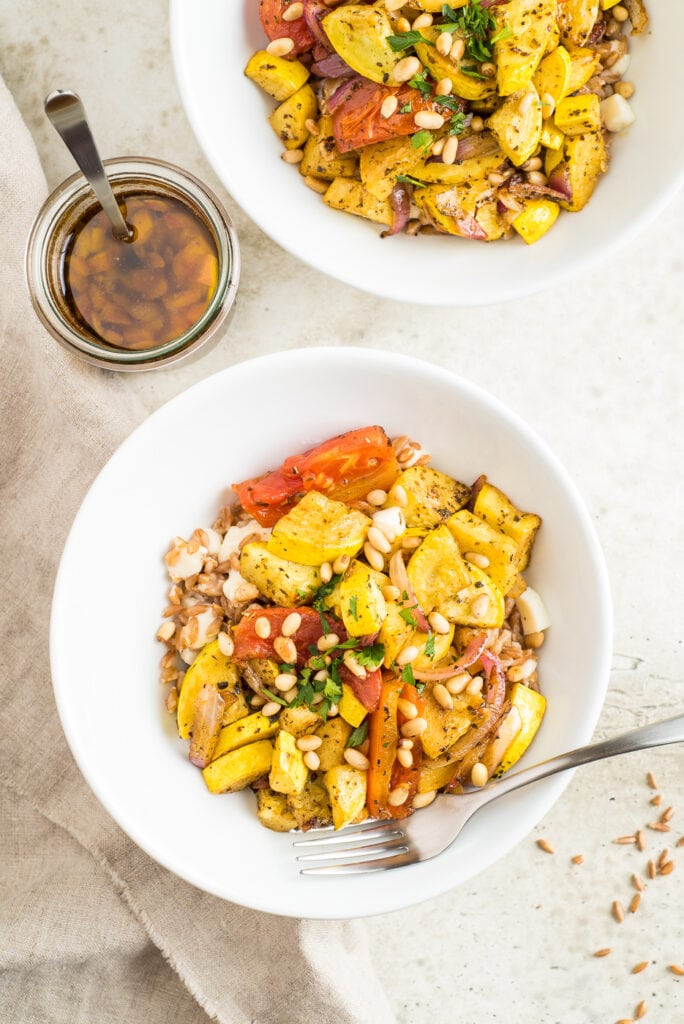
(639, 883)
(667, 814)
(676, 969)
(658, 826)
(578, 858)
(625, 840)
(641, 839)
(680, 841)
(640, 1010)
(166, 631)
(618, 911)
(651, 869)
(651, 779)
(664, 856)
(625, 1020)
(657, 800)
(638, 968)
(172, 699)
(604, 952)
(634, 903)
(667, 868)
(545, 845)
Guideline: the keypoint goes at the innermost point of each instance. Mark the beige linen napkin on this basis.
(85, 914)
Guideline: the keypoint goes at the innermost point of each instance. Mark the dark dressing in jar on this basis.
(148, 291)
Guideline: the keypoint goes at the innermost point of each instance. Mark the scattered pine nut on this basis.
(634, 903)
(376, 498)
(262, 627)
(651, 779)
(578, 858)
(638, 882)
(286, 649)
(400, 496)
(280, 47)
(413, 728)
(389, 106)
(398, 795)
(407, 708)
(309, 742)
(294, 12)
(405, 758)
(291, 624)
(292, 156)
(326, 572)
(341, 564)
(479, 776)
(373, 557)
(270, 709)
(423, 799)
(604, 952)
(638, 968)
(618, 911)
(312, 760)
(546, 846)
(325, 643)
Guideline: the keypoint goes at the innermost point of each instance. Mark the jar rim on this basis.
(170, 179)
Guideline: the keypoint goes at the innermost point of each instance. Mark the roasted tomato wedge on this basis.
(345, 468)
(358, 120)
(365, 690)
(249, 645)
(271, 14)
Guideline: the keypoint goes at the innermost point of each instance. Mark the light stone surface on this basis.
(596, 368)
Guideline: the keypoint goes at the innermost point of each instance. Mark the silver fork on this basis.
(380, 845)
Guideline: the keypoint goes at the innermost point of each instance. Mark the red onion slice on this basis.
(400, 201)
(206, 725)
(473, 651)
(559, 183)
(314, 12)
(343, 92)
(332, 66)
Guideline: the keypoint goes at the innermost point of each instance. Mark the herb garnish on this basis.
(274, 696)
(475, 24)
(409, 180)
(421, 140)
(370, 657)
(419, 82)
(359, 735)
(408, 616)
(403, 40)
(430, 646)
(406, 109)
(353, 609)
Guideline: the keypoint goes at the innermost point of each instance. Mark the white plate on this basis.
(212, 42)
(171, 476)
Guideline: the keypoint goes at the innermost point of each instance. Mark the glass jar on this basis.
(70, 204)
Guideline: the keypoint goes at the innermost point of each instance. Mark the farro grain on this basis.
(651, 779)
(641, 839)
(625, 840)
(676, 969)
(638, 968)
(640, 1010)
(638, 883)
(546, 846)
(618, 911)
(651, 869)
(667, 814)
(634, 903)
(606, 951)
(578, 858)
(667, 868)
(657, 800)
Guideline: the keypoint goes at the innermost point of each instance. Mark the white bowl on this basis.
(170, 476)
(212, 42)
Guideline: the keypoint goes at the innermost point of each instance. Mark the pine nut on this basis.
(488, 69)
(534, 640)
(422, 21)
(475, 685)
(333, 711)
(423, 799)
(285, 649)
(377, 497)
(526, 103)
(428, 119)
(458, 683)
(280, 47)
(444, 86)
(409, 543)
(356, 759)
(416, 727)
(379, 541)
(262, 627)
(400, 496)
(406, 69)
(312, 760)
(624, 89)
(226, 645)
(437, 147)
(407, 709)
(326, 643)
(284, 681)
(405, 758)
(257, 700)
(443, 43)
(311, 126)
(389, 106)
(291, 624)
(477, 124)
(270, 709)
(533, 164)
(450, 150)
(373, 557)
(548, 105)
(293, 12)
(403, 25)
(309, 742)
(457, 48)
(480, 606)
(438, 624)
(246, 592)
(443, 697)
(341, 564)
(321, 675)
(353, 665)
(474, 557)
(315, 184)
(537, 178)
(517, 673)
(290, 695)
(326, 572)
(620, 13)
(406, 655)
(495, 178)
(479, 775)
(391, 593)
(292, 156)
(394, 5)
(398, 796)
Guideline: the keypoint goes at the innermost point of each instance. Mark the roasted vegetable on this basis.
(516, 730)
(474, 534)
(436, 569)
(288, 772)
(274, 811)
(479, 604)
(311, 807)
(278, 77)
(584, 65)
(246, 730)
(322, 159)
(214, 668)
(359, 34)
(517, 124)
(318, 530)
(206, 725)
(576, 115)
(288, 120)
(537, 217)
(500, 512)
(432, 496)
(577, 19)
(347, 789)
(584, 159)
(379, 165)
(464, 85)
(553, 74)
(444, 726)
(239, 768)
(284, 582)
(351, 197)
(334, 734)
(452, 210)
(299, 721)
(362, 606)
(526, 26)
(350, 707)
(383, 736)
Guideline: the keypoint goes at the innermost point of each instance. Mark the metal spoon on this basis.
(67, 115)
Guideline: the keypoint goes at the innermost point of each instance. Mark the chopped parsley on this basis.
(274, 696)
(419, 82)
(478, 28)
(403, 40)
(457, 123)
(408, 616)
(408, 180)
(353, 607)
(359, 735)
(406, 109)
(421, 140)
(407, 675)
(430, 646)
(370, 657)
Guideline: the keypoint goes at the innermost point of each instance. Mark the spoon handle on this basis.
(67, 115)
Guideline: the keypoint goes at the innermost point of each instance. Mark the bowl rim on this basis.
(181, 15)
(548, 791)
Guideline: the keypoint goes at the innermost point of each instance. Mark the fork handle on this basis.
(658, 734)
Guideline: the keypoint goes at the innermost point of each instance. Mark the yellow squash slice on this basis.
(359, 34)
(213, 667)
(318, 530)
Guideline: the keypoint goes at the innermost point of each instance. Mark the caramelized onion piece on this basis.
(206, 725)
